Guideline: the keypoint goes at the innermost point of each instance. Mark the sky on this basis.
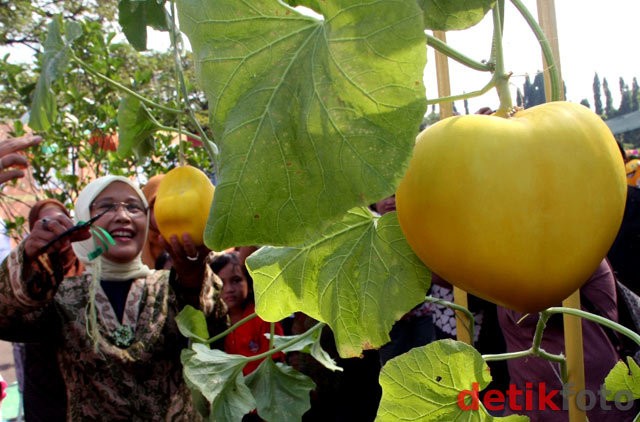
(593, 37)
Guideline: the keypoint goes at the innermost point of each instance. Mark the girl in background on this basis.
(237, 292)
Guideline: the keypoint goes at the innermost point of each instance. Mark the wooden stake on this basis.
(572, 325)
(446, 110)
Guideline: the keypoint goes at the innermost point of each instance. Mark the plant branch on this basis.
(121, 87)
(470, 327)
(491, 84)
(546, 49)
(230, 329)
(210, 147)
(445, 49)
(288, 344)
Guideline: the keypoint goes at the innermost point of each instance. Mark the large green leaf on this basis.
(57, 52)
(218, 377)
(447, 15)
(359, 276)
(281, 392)
(312, 116)
(135, 128)
(135, 15)
(434, 383)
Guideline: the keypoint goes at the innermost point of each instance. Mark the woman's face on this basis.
(126, 222)
(235, 288)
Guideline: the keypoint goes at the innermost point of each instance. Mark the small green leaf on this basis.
(359, 276)
(218, 377)
(134, 17)
(310, 345)
(55, 59)
(135, 128)
(448, 15)
(193, 324)
(281, 392)
(435, 382)
(623, 381)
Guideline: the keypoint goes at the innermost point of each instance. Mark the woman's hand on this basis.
(188, 259)
(11, 160)
(48, 228)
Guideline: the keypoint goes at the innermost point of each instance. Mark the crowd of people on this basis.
(94, 328)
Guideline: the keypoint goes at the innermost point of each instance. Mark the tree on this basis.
(89, 108)
(597, 101)
(609, 111)
(625, 98)
(635, 92)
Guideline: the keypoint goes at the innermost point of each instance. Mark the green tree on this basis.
(609, 111)
(597, 100)
(635, 92)
(625, 98)
(89, 108)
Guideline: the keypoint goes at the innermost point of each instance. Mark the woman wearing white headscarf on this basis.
(114, 327)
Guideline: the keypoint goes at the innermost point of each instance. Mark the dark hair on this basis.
(221, 261)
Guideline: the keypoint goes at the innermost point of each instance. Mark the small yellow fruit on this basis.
(183, 202)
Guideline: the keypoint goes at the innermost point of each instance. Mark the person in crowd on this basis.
(113, 328)
(12, 161)
(43, 390)
(597, 296)
(624, 254)
(249, 338)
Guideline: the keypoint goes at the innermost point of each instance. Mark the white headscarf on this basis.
(109, 270)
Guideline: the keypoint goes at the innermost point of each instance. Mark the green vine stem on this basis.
(501, 78)
(536, 350)
(546, 49)
(288, 344)
(121, 87)
(470, 327)
(209, 146)
(442, 47)
(597, 319)
(230, 329)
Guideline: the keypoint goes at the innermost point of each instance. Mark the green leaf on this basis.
(193, 324)
(134, 17)
(359, 276)
(135, 128)
(623, 382)
(57, 52)
(281, 392)
(218, 377)
(447, 15)
(432, 382)
(328, 108)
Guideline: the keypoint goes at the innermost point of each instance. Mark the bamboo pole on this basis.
(446, 110)
(572, 325)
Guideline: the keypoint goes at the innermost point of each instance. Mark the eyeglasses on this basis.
(133, 209)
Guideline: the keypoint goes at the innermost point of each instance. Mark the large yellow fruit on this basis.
(519, 211)
(183, 202)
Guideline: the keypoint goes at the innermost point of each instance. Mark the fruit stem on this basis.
(501, 78)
